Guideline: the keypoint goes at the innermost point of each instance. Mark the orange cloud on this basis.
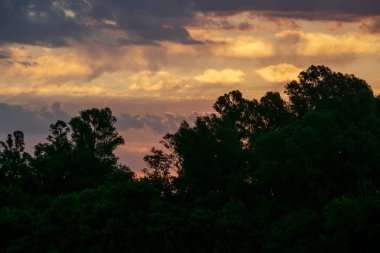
(279, 73)
(224, 76)
(154, 81)
(244, 47)
(69, 89)
(47, 65)
(327, 45)
(179, 49)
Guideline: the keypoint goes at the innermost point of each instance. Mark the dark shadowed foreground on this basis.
(265, 175)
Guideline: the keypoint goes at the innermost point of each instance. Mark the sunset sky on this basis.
(156, 63)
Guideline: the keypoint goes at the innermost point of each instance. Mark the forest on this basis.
(292, 173)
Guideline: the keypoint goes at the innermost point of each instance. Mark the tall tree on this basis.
(15, 166)
(94, 131)
(94, 139)
(53, 160)
(320, 88)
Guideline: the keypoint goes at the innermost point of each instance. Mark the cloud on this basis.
(179, 49)
(65, 91)
(147, 22)
(371, 25)
(38, 23)
(279, 73)
(4, 55)
(310, 10)
(242, 21)
(327, 45)
(55, 23)
(37, 121)
(244, 47)
(34, 68)
(55, 68)
(160, 124)
(154, 81)
(224, 76)
(29, 121)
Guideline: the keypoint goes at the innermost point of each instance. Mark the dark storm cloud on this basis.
(14, 117)
(147, 22)
(37, 22)
(51, 23)
(161, 124)
(318, 9)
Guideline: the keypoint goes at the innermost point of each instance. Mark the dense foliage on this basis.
(268, 175)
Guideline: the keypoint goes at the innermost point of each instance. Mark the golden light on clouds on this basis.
(327, 45)
(236, 49)
(154, 81)
(224, 76)
(52, 68)
(41, 66)
(279, 73)
(244, 47)
(178, 49)
(68, 90)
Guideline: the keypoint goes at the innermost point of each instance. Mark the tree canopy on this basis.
(292, 173)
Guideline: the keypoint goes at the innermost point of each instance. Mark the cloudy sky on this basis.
(158, 62)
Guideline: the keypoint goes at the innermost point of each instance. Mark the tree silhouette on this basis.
(54, 160)
(94, 138)
(93, 130)
(259, 175)
(320, 88)
(14, 162)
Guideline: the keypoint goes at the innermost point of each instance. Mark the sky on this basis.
(156, 63)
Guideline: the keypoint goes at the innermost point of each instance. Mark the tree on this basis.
(15, 167)
(54, 160)
(273, 112)
(94, 138)
(94, 131)
(163, 165)
(264, 175)
(241, 112)
(215, 152)
(320, 88)
(329, 148)
(352, 224)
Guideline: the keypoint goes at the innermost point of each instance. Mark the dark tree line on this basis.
(267, 175)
